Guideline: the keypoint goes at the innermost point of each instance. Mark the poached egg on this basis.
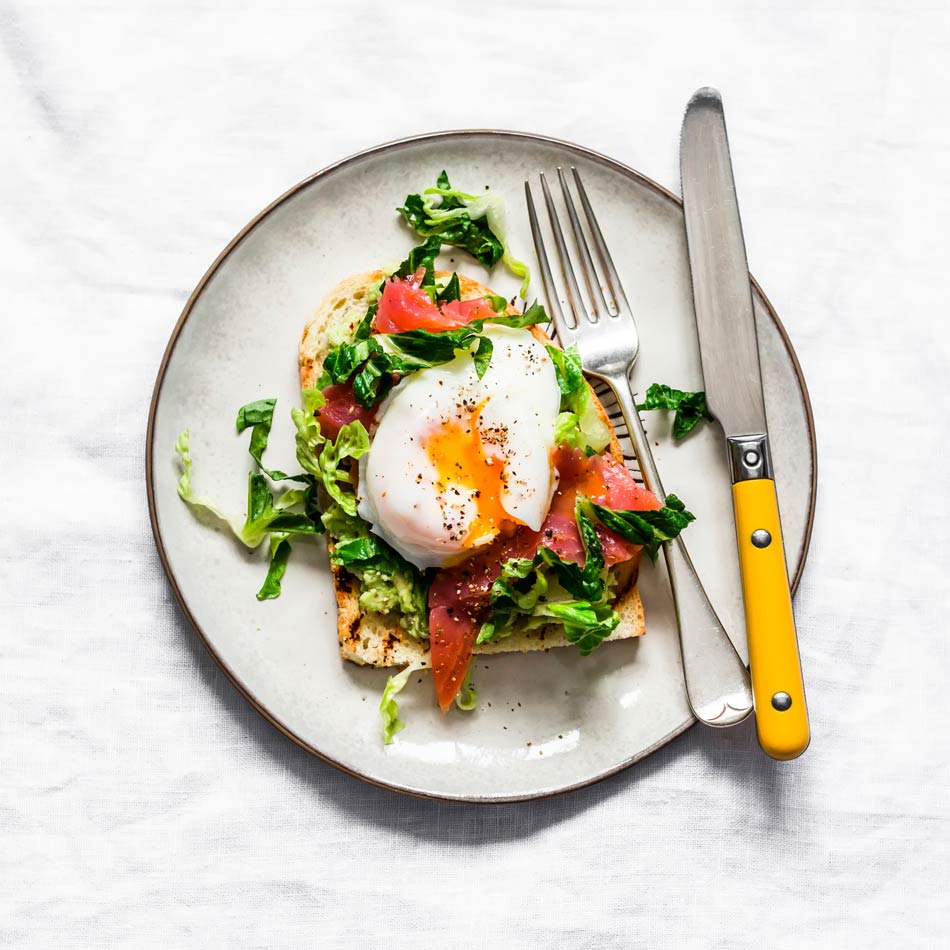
(456, 460)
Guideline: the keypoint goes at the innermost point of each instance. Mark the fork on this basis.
(717, 682)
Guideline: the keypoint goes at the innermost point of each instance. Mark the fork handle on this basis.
(717, 682)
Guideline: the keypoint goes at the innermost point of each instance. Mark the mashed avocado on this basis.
(388, 584)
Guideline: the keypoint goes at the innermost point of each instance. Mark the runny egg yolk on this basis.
(457, 452)
(458, 459)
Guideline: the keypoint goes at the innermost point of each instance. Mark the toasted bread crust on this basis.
(376, 639)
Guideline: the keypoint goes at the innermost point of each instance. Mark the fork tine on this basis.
(611, 277)
(573, 291)
(587, 262)
(547, 278)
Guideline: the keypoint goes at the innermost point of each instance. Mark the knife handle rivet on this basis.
(751, 458)
(761, 538)
(781, 702)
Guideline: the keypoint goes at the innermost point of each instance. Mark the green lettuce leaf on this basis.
(187, 494)
(690, 408)
(442, 212)
(279, 555)
(586, 625)
(260, 415)
(375, 379)
(566, 430)
(309, 439)
(323, 459)
(364, 328)
(340, 363)
(368, 551)
(292, 512)
(584, 583)
(567, 368)
(482, 356)
(342, 527)
(422, 256)
(647, 528)
(266, 515)
(432, 347)
(516, 592)
(451, 291)
(351, 443)
(535, 314)
(473, 222)
(467, 697)
(388, 707)
(586, 430)
(440, 346)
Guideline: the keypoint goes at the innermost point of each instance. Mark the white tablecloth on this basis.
(142, 802)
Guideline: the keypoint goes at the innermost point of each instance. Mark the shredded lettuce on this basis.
(584, 582)
(279, 555)
(423, 257)
(523, 598)
(351, 443)
(586, 625)
(473, 222)
(547, 588)
(371, 361)
(309, 439)
(566, 431)
(690, 408)
(451, 291)
(260, 415)
(266, 514)
(567, 369)
(199, 503)
(321, 458)
(647, 528)
(344, 528)
(579, 425)
(388, 707)
(467, 697)
(595, 432)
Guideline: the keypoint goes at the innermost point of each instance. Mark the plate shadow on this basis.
(733, 751)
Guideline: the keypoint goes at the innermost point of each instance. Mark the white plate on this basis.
(545, 723)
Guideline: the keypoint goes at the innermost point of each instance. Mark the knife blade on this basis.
(725, 320)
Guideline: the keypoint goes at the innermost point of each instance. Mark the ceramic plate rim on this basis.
(396, 145)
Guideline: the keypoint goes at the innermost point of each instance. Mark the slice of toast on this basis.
(376, 639)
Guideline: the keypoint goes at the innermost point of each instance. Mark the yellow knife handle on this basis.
(781, 715)
(777, 688)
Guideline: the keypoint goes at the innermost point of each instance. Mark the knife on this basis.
(725, 320)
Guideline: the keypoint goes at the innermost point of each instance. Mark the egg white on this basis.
(518, 400)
